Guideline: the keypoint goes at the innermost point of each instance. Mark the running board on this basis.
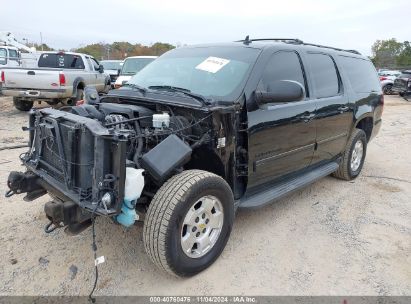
(283, 188)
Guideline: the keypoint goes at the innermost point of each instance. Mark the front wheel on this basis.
(22, 105)
(189, 222)
(353, 157)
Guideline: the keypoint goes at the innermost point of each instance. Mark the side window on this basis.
(3, 56)
(282, 66)
(361, 74)
(90, 65)
(95, 64)
(13, 55)
(324, 75)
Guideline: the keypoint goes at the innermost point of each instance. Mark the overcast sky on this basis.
(347, 24)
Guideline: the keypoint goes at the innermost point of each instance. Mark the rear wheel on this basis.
(387, 89)
(107, 87)
(22, 105)
(79, 95)
(353, 157)
(188, 222)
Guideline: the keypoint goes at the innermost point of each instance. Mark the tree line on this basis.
(121, 50)
(391, 54)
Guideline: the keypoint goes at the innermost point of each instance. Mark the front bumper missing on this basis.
(77, 159)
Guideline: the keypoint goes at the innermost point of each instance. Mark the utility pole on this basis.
(41, 41)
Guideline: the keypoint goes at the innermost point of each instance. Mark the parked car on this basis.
(112, 67)
(402, 84)
(387, 80)
(198, 133)
(131, 66)
(60, 77)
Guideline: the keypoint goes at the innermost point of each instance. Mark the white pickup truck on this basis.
(59, 77)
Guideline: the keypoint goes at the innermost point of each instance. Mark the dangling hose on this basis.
(139, 147)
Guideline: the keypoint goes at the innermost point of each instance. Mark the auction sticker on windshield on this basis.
(212, 64)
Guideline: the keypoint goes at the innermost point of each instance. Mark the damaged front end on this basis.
(83, 159)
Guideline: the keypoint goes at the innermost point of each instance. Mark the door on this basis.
(99, 77)
(334, 114)
(281, 136)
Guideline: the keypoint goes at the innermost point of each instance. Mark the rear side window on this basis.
(324, 75)
(361, 74)
(282, 66)
(62, 61)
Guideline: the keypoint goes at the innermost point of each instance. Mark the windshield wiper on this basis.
(186, 92)
(136, 86)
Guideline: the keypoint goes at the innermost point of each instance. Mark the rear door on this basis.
(281, 136)
(334, 114)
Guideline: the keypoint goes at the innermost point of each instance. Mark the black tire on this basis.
(163, 225)
(107, 87)
(22, 105)
(401, 94)
(79, 95)
(345, 171)
(387, 89)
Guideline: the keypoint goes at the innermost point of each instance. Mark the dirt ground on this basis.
(332, 238)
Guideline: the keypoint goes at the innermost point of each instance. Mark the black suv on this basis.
(402, 84)
(198, 133)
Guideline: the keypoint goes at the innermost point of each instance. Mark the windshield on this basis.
(216, 72)
(133, 65)
(111, 65)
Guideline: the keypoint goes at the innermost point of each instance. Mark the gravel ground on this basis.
(332, 238)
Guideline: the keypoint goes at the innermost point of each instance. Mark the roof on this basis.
(292, 43)
(141, 57)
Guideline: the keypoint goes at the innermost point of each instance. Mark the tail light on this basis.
(62, 79)
(383, 78)
(3, 77)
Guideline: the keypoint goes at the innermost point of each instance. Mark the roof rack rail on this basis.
(333, 48)
(247, 41)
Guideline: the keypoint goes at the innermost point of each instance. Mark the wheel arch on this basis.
(204, 158)
(365, 123)
(78, 83)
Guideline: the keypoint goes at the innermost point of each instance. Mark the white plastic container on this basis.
(161, 120)
(134, 184)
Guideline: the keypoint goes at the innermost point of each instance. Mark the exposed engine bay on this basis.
(83, 157)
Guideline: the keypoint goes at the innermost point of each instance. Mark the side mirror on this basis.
(118, 72)
(281, 91)
(101, 68)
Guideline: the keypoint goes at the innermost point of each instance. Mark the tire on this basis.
(22, 105)
(401, 94)
(79, 95)
(387, 89)
(346, 171)
(176, 202)
(107, 87)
